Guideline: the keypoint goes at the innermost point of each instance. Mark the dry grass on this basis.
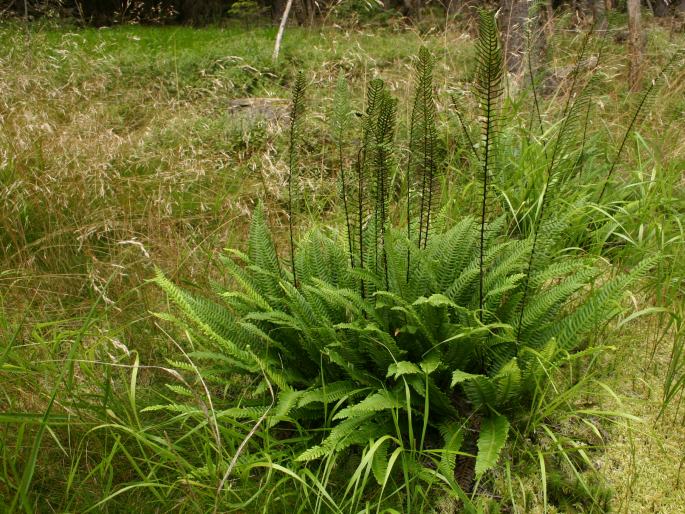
(120, 151)
(644, 460)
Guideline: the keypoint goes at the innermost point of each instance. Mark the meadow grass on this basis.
(128, 148)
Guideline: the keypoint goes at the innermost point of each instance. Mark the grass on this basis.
(127, 148)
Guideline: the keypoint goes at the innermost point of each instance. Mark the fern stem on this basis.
(464, 129)
(345, 206)
(408, 180)
(296, 113)
(360, 220)
(625, 140)
(535, 97)
(652, 86)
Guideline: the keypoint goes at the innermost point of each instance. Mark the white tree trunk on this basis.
(281, 30)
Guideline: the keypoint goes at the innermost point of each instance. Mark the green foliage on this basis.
(488, 89)
(246, 9)
(294, 137)
(424, 166)
(230, 425)
(493, 435)
(379, 333)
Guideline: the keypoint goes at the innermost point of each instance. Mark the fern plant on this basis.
(382, 330)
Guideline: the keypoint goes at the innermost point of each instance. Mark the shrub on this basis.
(420, 343)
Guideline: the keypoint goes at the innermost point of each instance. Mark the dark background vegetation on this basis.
(200, 12)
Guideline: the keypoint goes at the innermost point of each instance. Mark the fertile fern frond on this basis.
(571, 137)
(362, 199)
(295, 135)
(384, 133)
(423, 168)
(675, 62)
(488, 88)
(340, 121)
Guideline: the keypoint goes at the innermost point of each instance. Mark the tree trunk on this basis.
(600, 8)
(277, 9)
(281, 30)
(635, 43)
(681, 6)
(660, 8)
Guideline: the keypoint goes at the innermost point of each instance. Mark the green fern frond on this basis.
(379, 462)
(493, 435)
(262, 253)
(596, 309)
(339, 437)
(488, 89)
(423, 167)
(453, 437)
(384, 400)
(340, 121)
(295, 134)
(197, 317)
(330, 393)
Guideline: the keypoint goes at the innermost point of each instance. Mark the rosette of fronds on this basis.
(371, 354)
(347, 368)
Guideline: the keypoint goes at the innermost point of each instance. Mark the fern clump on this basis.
(378, 338)
(415, 358)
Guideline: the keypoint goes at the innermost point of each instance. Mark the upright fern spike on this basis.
(296, 118)
(423, 141)
(643, 105)
(384, 133)
(577, 167)
(488, 88)
(340, 123)
(361, 199)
